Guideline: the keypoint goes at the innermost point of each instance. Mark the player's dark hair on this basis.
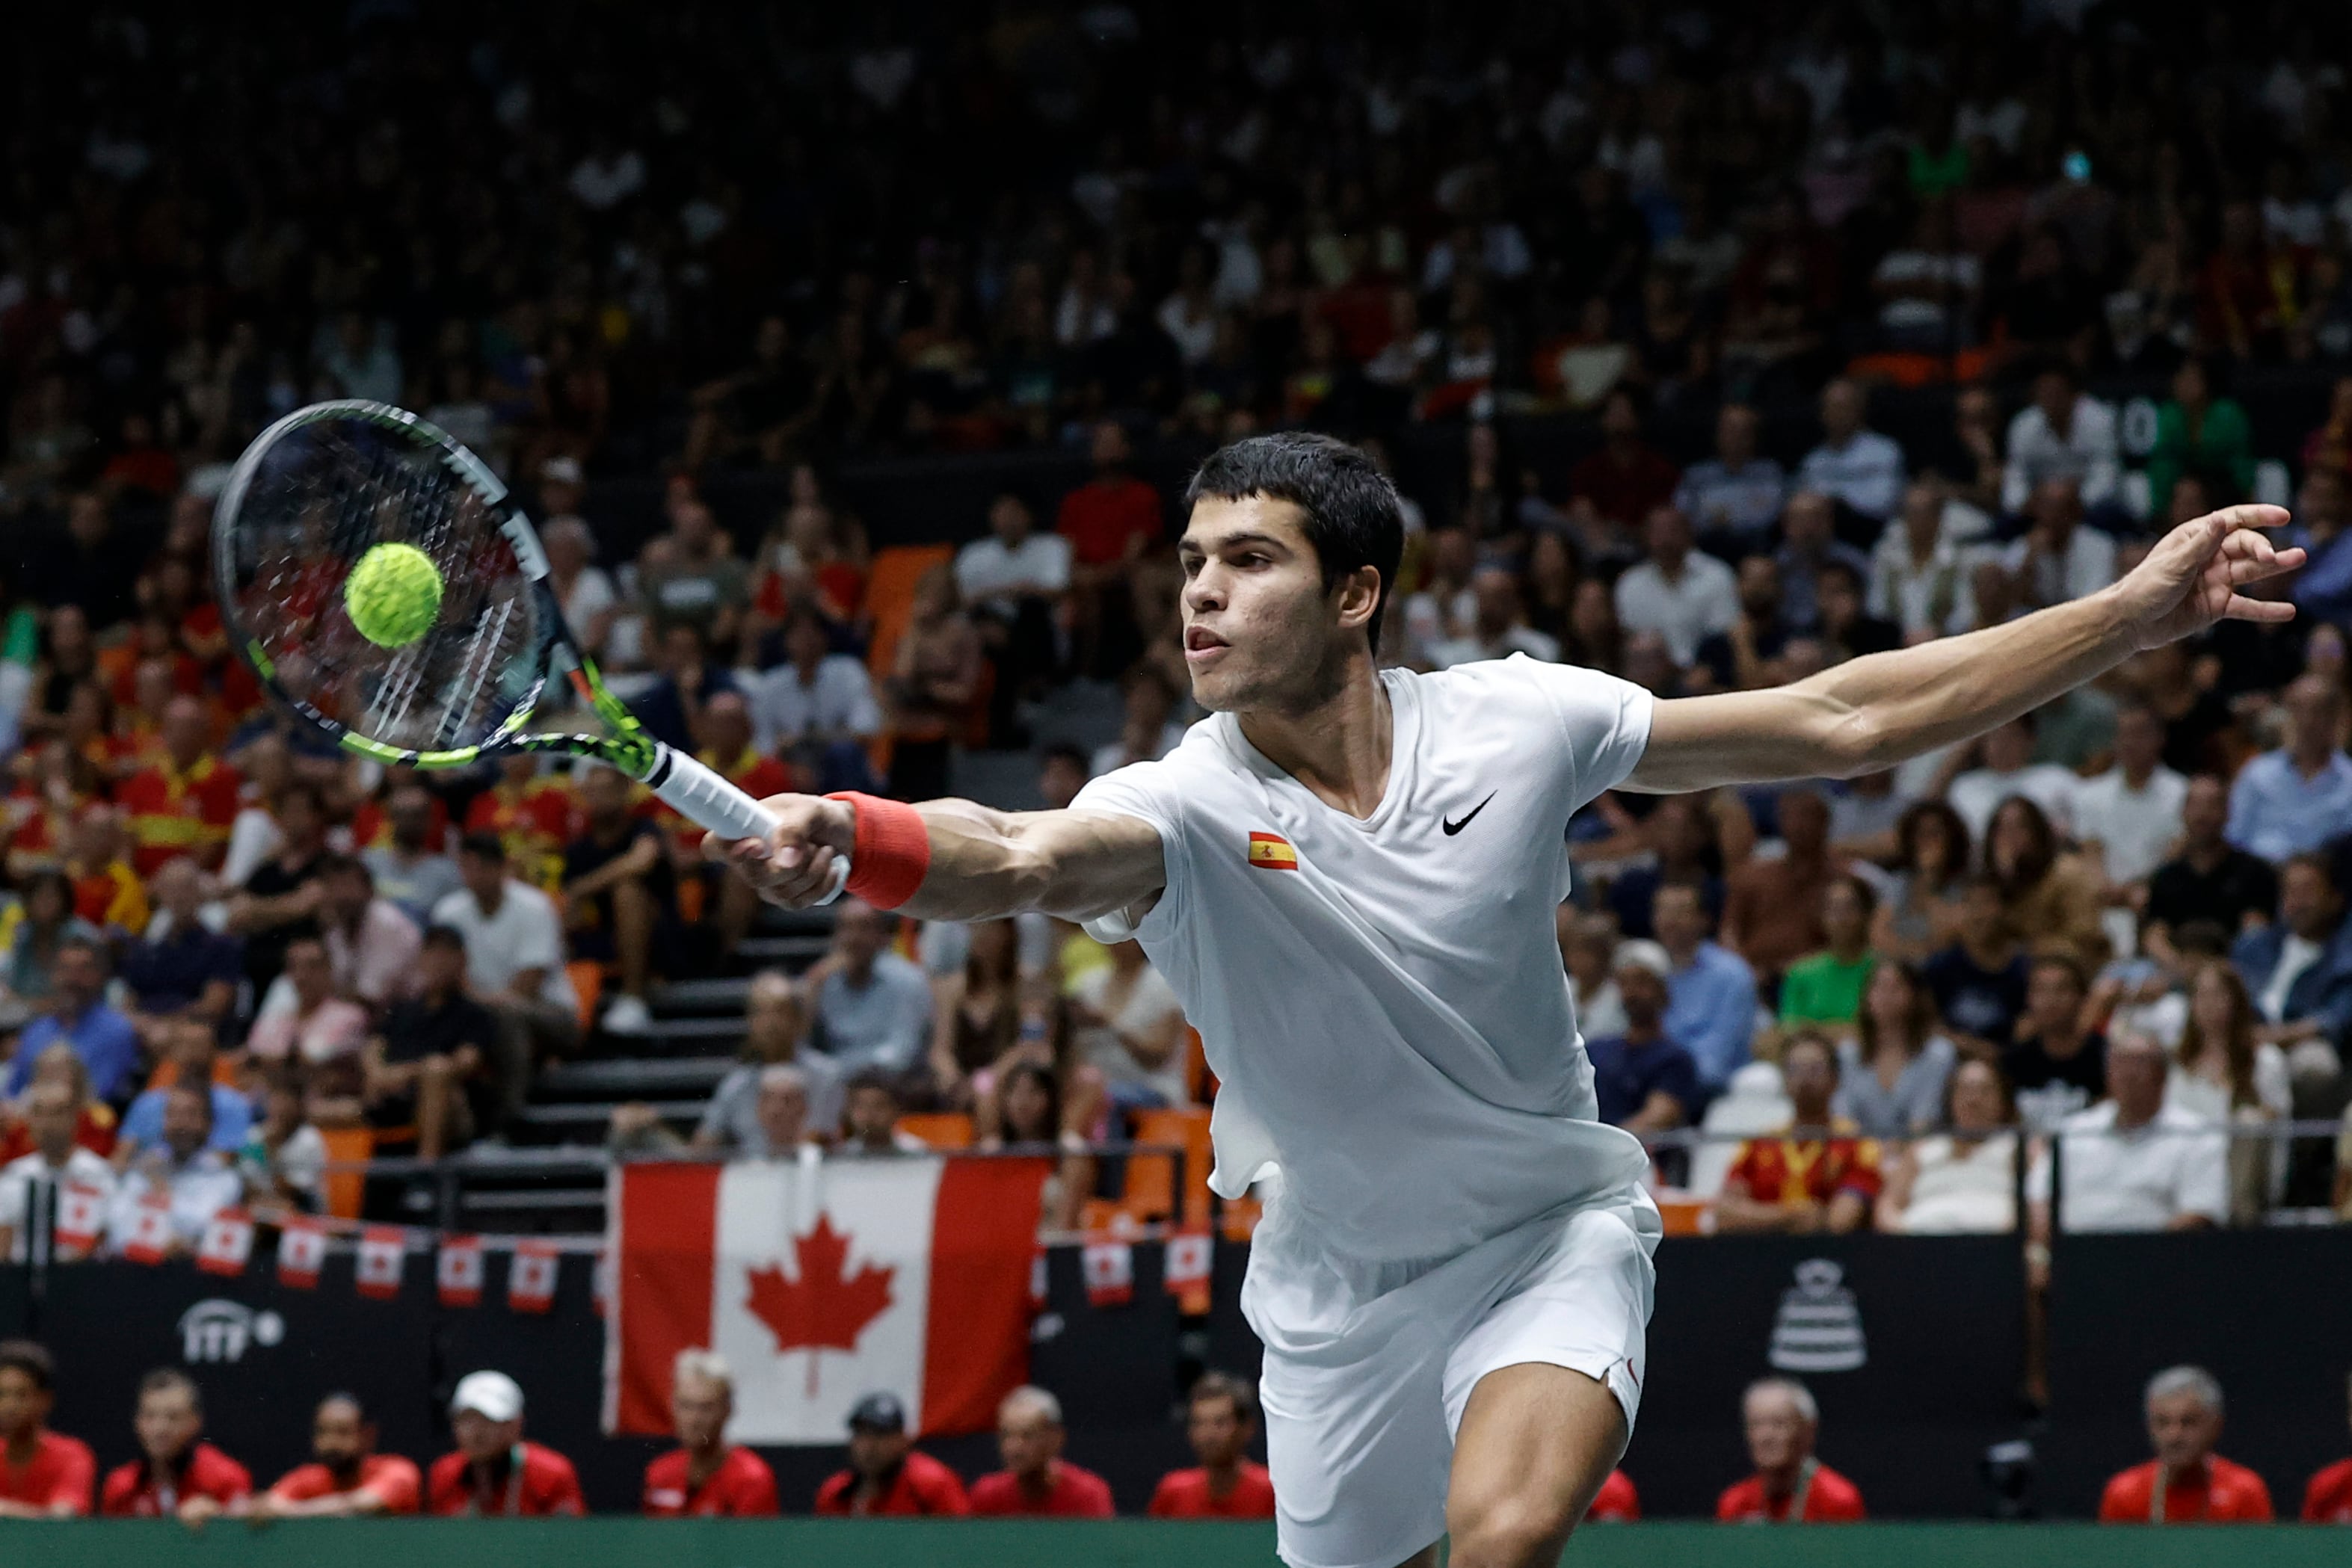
(1353, 517)
(1227, 1386)
(32, 1360)
(164, 1379)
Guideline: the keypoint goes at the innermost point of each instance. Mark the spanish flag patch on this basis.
(1272, 851)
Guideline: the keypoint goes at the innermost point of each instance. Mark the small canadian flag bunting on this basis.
(228, 1243)
(457, 1275)
(301, 1253)
(384, 1253)
(530, 1278)
(1190, 1257)
(1111, 1273)
(81, 1216)
(151, 1230)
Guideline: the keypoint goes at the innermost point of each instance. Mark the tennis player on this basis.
(1350, 874)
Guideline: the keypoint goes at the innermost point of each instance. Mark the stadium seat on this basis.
(891, 597)
(587, 977)
(939, 1129)
(1186, 1128)
(343, 1190)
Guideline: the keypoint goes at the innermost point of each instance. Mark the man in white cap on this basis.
(494, 1473)
(1644, 1081)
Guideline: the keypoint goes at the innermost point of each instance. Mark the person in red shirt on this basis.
(1035, 1478)
(184, 803)
(346, 1478)
(1616, 1503)
(533, 814)
(1804, 1184)
(1789, 1485)
(1110, 522)
(176, 1474)
(703, 1476)
(886, 1476)
(43, 1474)
(2187, 1482)
(725, 730)
(2327, 1500)
(1221, 1422)
(1627, 479)
(494, 1473)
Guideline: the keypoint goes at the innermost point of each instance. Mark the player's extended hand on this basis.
(2190, 579)
(795, 866)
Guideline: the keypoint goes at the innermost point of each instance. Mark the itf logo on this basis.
(1818, 1325)
(216, 1330)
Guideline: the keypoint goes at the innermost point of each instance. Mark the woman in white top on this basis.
(1963, 1181)
(1130, 1027)
(2222, 1073)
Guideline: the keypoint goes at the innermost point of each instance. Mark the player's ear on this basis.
(1355, 595)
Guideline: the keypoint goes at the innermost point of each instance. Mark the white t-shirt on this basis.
(1701, 600)
(523, 935)
(2137, 827)
(1382, 1000)
(1042, 565)
(841, 697)
(2139, 1180)
(1977, 794)
(1150, 1004)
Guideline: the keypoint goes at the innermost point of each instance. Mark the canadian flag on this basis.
(81, 1216)
(457, 1273)
(151, 1229)
(530, 1278)
(228, 1243)
(1111, 1273)
(822, 1282)
(301, 1252)
(384, 1251)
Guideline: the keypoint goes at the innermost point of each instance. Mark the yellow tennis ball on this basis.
(393, 595)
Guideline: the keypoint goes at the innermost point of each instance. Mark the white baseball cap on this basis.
(1642, 954)
(492, 1395)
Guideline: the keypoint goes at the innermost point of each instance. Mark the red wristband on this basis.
(891, 852)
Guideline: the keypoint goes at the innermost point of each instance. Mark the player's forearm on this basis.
(986, 864)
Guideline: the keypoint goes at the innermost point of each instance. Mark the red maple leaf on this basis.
(823, 1309)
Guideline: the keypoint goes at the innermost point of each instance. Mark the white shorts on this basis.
(1368, 1367)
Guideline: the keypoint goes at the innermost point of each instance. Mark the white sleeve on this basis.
(541, 937)
(1147, 790)
(1605, 722)
(2202, 1179)
(1055, 578)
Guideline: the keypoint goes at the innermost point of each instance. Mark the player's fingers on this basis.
(2271, 611)
(2250, 567)
(2250, 515)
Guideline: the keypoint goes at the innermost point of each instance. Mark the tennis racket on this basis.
(326, 483)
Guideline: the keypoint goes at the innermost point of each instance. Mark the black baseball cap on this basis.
(879, 1412)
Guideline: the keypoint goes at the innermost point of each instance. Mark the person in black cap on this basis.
(886, 1474)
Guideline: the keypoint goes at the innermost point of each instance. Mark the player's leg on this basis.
(1536, 1443)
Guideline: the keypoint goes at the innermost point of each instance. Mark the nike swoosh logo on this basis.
(1452, 828)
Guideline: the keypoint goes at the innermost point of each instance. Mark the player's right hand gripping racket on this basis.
(325, 485)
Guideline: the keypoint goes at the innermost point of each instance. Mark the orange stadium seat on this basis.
(939, 1129)
(1187, 1128)
(343, 1189)
(891, 597)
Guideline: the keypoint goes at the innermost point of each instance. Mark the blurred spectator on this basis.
(182, 967)
(2007, 768)
(780, 1109)
(180, 1173)
(1892, 1074)
(2054, 1059)
(283, 1159)
(346, 1478)
(976, 1009)
(1016, 582)
(43, 1474)
(887, 1476)
(279, 902)
(2327, 1500)
(2049, 899)
(583, 588)
(688, 677)
(870, 1117)
(411, 871)
(699, 581)
(371, 945)
(1806, 1182)
(704, 1476)
(43, 922)
(2299, 797)
(193, 1053)
(1221, 1423)
(619, 893)
(1645, 1080)
(317, 1027)
(1128, 1025)
(1736, 495)
(2323, 517)
(1148, 732)
(531, 811)
(176, 1474)
(183, 802)
(1499, 625)
(2059, 556)
(1962, 1180)
(107, 893)
(729, 904)
(436, 1064)
(1710, 993)
(1809, 542)
(935, 683)
(1682, 838)
(2130, 816)
(30, 1181)
(493, 1473)
(1588, 948)
(775, 1032)
(1919, 914)
(2131, 1162)
(1854, 467)
(1772, 908)
(2223, 1072)
(514, 951)
(816, 711)
(1825, 988)
(2209, 878)
(1035, 1478)
(78, 1015)
(2063, 434)
(1109, 521)
(95, 1124)
(2299, 970)
(1789, 1484)
(1626, 479)
(2199, 435)
(1022, 1107)
(872, 1007)
(2187, 1482)
(1917, 576)
(1678, 591)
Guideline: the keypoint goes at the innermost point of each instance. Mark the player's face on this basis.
(1028, 1441)
(2183, 1429)
(24, 1404)
(1259, 630)
(338, 1435)
(1776, 1435)
(698, 1409)
(482, 1438)
(1215, 1430)
(873, 1453)
(167, 1423)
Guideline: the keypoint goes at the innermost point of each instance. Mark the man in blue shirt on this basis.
(1710, 990)
(1734, 498)
(1644, 1081)
(194, 1050)
(187, 970)
(78, 1014)
(2299, 797)
(873, 1008)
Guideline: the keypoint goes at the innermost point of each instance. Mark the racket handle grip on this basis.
(705, 798)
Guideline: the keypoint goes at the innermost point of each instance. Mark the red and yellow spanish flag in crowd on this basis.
(1272, 851)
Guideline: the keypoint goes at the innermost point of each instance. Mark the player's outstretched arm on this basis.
(1872, 713)
(982, 864)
